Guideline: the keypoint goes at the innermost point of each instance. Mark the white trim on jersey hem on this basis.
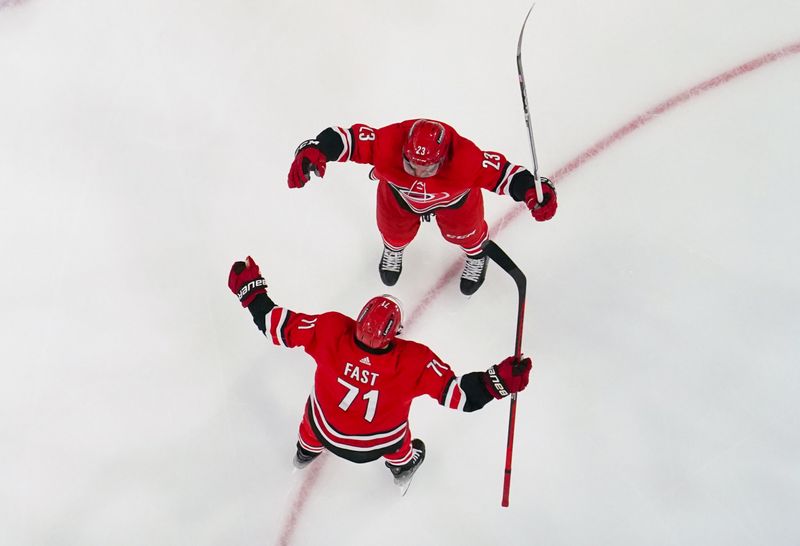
(312, 449)
(392, 247)
(326, 430)
(477, 249)
(400, 462)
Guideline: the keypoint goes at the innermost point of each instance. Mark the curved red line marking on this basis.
(572, 165)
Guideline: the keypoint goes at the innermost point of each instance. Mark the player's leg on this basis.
(308, 445)
(466, 227)
(406, 460)
(398, 227)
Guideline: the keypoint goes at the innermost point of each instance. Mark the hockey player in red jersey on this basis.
(366, 377)
(423, 168)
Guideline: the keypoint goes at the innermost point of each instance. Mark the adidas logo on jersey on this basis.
(366, 361)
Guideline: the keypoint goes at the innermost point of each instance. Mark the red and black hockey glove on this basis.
(547, 208)
(246, 282)
(507, 377)
(307, 158)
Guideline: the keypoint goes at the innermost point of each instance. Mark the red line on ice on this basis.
(9, 3)
(310, 476)
(600, 146)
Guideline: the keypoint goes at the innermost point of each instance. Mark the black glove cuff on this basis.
(520, 184)
(474, 386)
(523, 181)
(330, 144)
(259, 307)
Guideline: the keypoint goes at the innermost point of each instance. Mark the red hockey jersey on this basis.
(361, 399)
(467, 167)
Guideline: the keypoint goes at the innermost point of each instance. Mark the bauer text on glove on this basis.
(245, 281)
(508, 377)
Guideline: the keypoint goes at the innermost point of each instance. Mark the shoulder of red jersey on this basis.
(336, 317)
(291, 328)
(420, 356)
(334, 322)
(485, 169)
(412, 349)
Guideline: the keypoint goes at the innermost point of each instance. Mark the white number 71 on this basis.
(352, 391)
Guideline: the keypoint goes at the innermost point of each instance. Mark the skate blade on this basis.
(404, 484)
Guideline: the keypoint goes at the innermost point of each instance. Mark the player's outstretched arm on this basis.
(313, 155)
(340, 144)
(280, 325)
(246, 282)
(474, 390)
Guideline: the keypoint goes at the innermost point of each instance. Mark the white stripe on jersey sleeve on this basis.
(511, 170)
(456, 398)
(277, 318)
(347, 150)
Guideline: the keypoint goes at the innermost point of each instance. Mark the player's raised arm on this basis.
(283, 326)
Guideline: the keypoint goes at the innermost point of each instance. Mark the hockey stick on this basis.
(537, 183)
(501, 258)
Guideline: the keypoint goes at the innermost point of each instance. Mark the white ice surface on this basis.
(144, 146)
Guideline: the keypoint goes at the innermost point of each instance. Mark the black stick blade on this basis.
(502, 259)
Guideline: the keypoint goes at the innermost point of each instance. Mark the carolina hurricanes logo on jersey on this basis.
(418, 192)
(421, 201)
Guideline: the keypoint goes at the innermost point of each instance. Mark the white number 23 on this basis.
(491, 160)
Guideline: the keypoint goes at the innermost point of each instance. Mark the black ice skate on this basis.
(390, 266)
(303, 457)
(403, 474)
(474, 273)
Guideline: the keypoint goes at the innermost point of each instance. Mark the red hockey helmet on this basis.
(426, 148)
(379, 321)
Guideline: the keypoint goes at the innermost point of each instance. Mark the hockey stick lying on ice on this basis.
(501, 258)
(537, 183)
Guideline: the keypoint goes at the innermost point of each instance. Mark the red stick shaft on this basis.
(512, 417)
(498, 255)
